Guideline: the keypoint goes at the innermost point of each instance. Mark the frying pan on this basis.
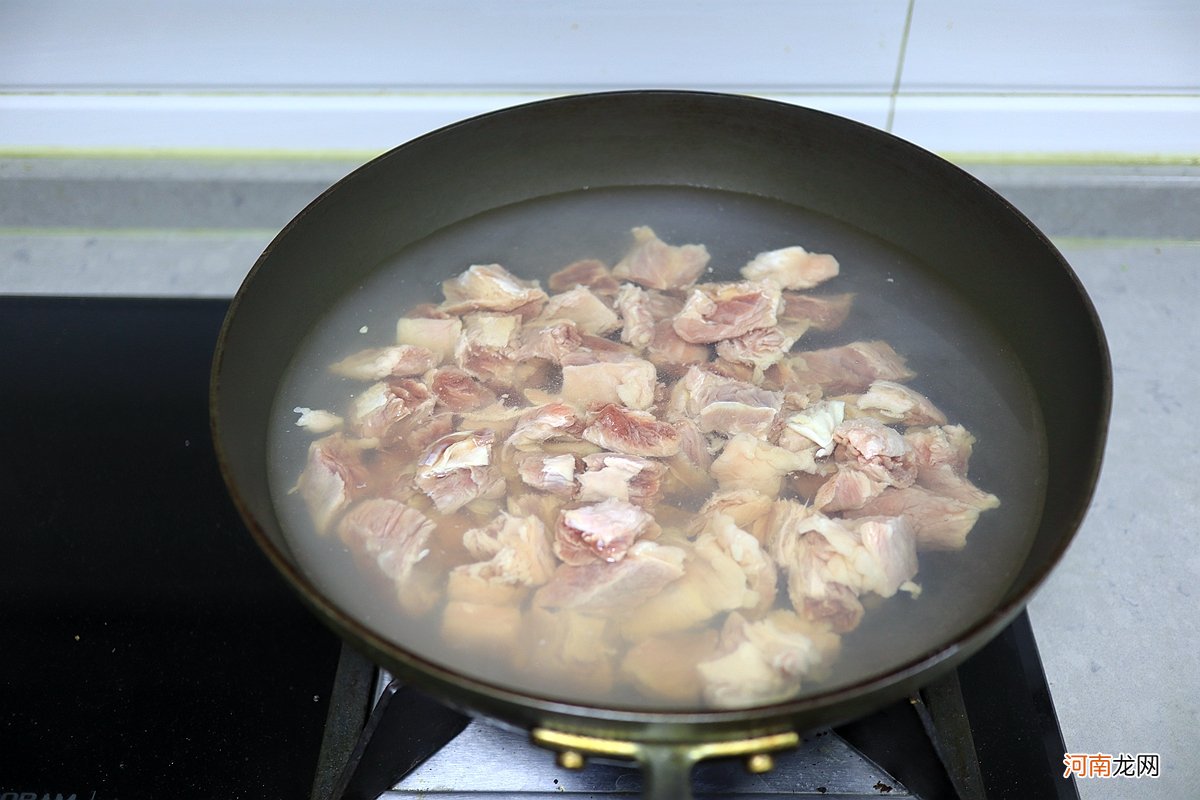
(968, 237)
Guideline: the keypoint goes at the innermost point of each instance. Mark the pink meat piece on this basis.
(700, 387)
(657, 265)
(490, 287)
(671, 354)
(624, 477)
(457, 469)
(896, 403)
(438, 336)
(737, 556)
(823, 312)
(543, 423)
(748, 462)
(719, 311)
(938, 522)
(458, 390)
(377, 363)
(390, 409)
(581, 306)
(626, 430)
(942, 455)
(731, 418)
(488, 347)
(513, 551)
(602, 588)
(848, 488)
(759, 348)
(601, 532)
(693, 445)
(792, 268)
(630, 382)
(549, 473)
(333, 477)
(552, 341)
(392, 534)
(876, 450)
(849, 368)
(830, 562)
(587, 272)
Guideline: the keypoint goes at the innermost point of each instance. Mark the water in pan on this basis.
(961, 364)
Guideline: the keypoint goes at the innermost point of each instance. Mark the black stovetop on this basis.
(148, 650)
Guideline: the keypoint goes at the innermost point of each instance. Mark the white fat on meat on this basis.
(747, 462)
(549, 473)
(585, 309)
(792, 268)
(876, 450)
(731, 418)
(759, 348)
(896, 403)
(624, 477)
(817, 423)
(438, 336)
(719, 311)
(490, 287)
(512, 550)
(766, 661)
(377, 363)
(655, 264)
(544, 423)
(389, 409)
(700, 387)
(552, 341)
(603, 531)
(629, 382)
(456, 469)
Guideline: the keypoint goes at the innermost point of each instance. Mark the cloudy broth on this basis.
(961, 364)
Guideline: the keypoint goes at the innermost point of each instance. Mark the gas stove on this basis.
(150, 651)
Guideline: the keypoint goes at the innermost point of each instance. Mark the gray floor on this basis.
(1118, 622)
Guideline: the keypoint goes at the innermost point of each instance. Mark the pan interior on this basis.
(962, 363)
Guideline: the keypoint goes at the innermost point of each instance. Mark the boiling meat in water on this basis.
(638, 479)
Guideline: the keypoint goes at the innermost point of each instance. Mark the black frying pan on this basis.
(969, 238)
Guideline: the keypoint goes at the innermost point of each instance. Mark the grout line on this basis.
(891, 114)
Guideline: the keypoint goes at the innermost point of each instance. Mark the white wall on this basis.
(1019, 77)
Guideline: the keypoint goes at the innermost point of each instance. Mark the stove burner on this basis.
(986, 730)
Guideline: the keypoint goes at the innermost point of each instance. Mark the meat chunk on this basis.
(653, 263)
(377, 363)
(584, 308)
(601, 532)
(700, 388)
(457, 469)
(513, 551)
(458, 390)
(487, 349)
(615, 475)
(750, 463)
(317, 420)
(746, 507)
(746, 574)
(758, 348)
(333, 477)
(671, 354)
(815, 424)
(822, 312)
(395, 537)
(726, 310)
(438, 336)
(846, 489)
(490, 287)
(665, 667)
(603, 588)
(637, 319)
(849, 368)
(791, 268)
(480, 627)
(895, 402)
(571, 652)
(731, 418)
(388, 410)
(830, 562)
(939, 523)
(942, 455)
(552, 341)
(544, 423)
(586, 272)
(877, 450)
(766, 661)
(636, 433)
(628, 382)
(549, 473)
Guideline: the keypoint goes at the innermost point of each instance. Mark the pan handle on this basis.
(667, 767)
